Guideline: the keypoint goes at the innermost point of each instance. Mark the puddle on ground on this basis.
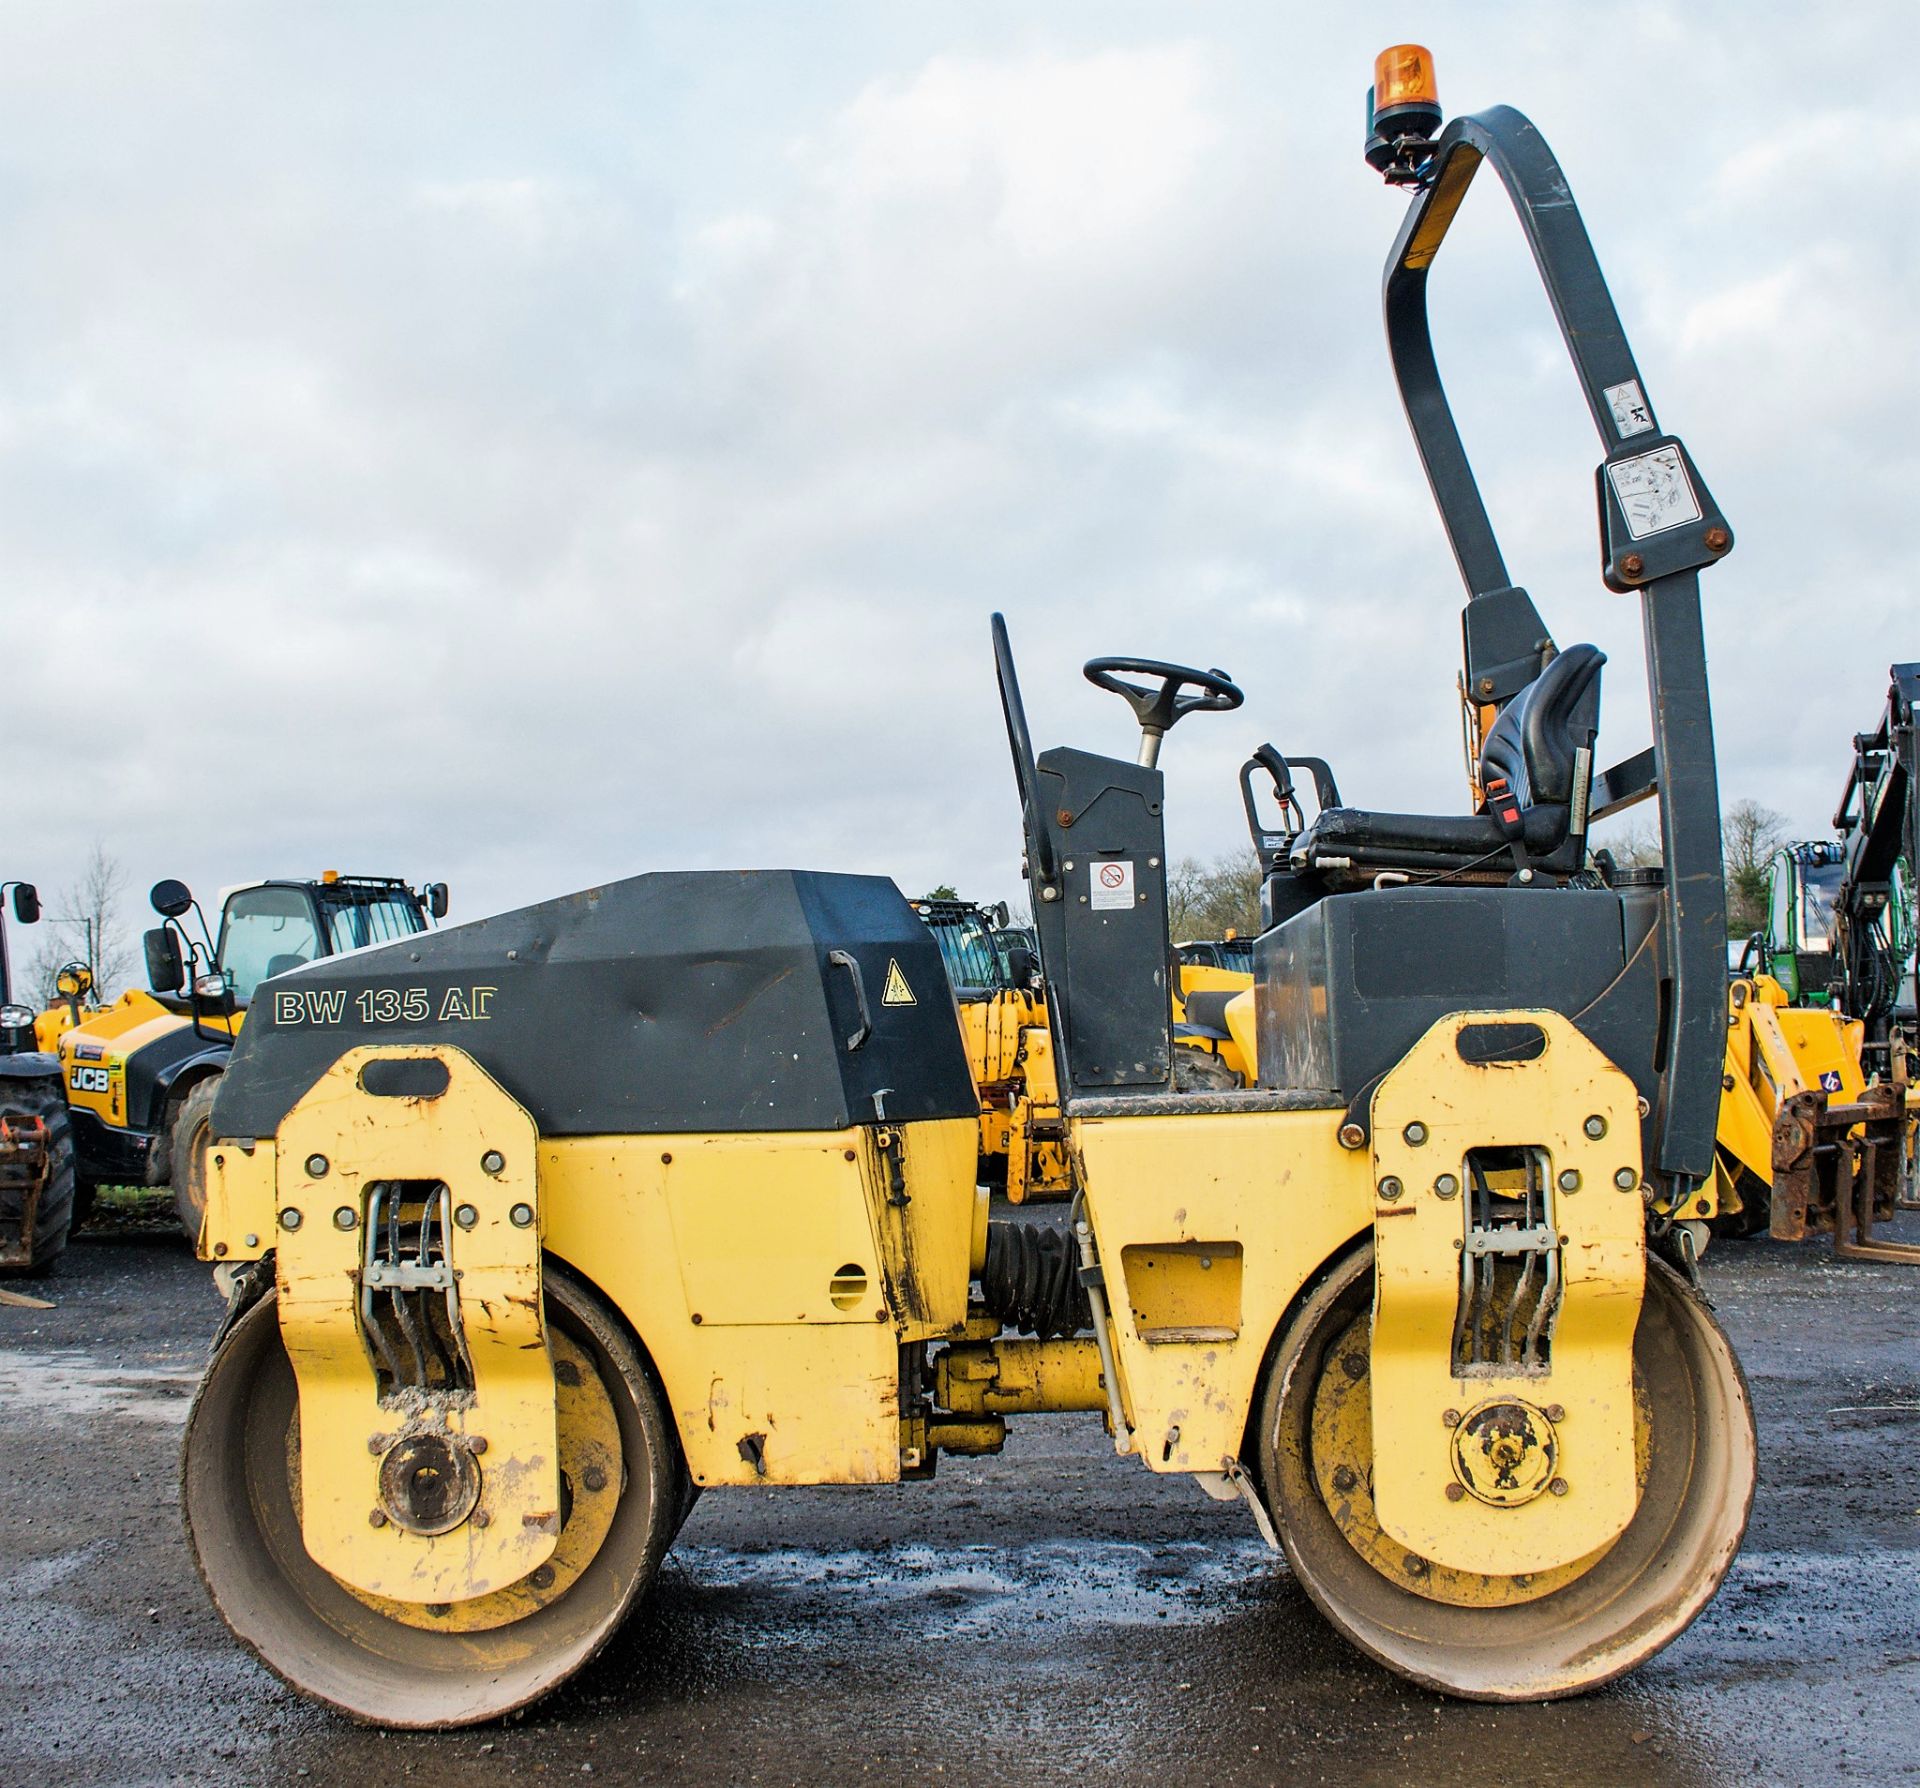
(68, 1384)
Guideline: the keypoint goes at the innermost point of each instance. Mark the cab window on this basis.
(967, 951)
(351, 925)
(1819, 888)
(266, 931)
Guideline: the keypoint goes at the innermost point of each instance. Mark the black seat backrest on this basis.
(1534, 742)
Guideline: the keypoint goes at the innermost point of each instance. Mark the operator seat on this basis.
(1541, 746)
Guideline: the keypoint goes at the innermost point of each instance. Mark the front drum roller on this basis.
(1519, 1638)
(414, 1665)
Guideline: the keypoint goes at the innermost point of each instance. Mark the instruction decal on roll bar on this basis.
(1112, 887)
(1655, 492)
(1629, 406)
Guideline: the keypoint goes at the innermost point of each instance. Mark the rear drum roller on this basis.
(408, 1664)
(1521, 1638)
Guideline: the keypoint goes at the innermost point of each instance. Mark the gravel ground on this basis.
(1045, 1616)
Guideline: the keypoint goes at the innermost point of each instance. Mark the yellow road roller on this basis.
(537, 1227)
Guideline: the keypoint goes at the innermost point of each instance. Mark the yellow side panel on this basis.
(926, 1227)
(728, 1256)
(357, 1141)
(762, 1240)
(239, 1220)
(1427, 1114)
(1277, 1187)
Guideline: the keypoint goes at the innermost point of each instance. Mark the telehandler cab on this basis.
(141, 1073)
(538, 1226)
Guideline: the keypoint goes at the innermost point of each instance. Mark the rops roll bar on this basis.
(1659, 527)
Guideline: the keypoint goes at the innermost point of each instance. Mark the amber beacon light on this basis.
(1403, 107)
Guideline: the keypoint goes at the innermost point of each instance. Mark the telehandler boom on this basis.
(539, 1226)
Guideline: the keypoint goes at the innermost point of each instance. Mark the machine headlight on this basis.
(16, 1018)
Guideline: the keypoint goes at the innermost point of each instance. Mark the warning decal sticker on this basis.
(1112, 887)
(1629, 406)
(896, 992)
(1655, 492)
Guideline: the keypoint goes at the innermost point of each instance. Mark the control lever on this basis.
(1272, 845)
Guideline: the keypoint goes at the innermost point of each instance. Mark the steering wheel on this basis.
(1158, 709)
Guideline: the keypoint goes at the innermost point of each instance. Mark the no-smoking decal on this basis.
(1112, 886)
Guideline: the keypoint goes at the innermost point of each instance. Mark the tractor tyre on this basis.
(1534, 1637)
(408, 1664)
(191, 1136)
(41, 1098)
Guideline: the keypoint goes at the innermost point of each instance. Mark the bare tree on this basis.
(1749, 835)
(1210, 901)
(1635, 844)
(85, 923)
(1184, 882)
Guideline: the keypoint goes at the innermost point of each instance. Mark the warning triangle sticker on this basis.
(896, 992)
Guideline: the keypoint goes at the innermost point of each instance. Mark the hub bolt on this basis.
(521, 1215)
(1595, 1126)
(317, 1166)
(290, 1219)
(1415, 1133)
(1626, 1179)
(1455, 1492)
(1555, 1412)
(1558, 1486)
(493, 1162)
(541, 1577)
(1344, 1479)
(594, 1478)
(1450, 1418)
(345, 1217)
(376, 1518)
(466, 1216)
(481, 1518)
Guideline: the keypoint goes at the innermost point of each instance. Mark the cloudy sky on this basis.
(528, 445)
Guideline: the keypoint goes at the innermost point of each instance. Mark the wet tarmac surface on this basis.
(1050, 1615)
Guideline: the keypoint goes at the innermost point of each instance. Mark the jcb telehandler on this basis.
(140, 1074)
(36, 1140)
(537, 1226)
